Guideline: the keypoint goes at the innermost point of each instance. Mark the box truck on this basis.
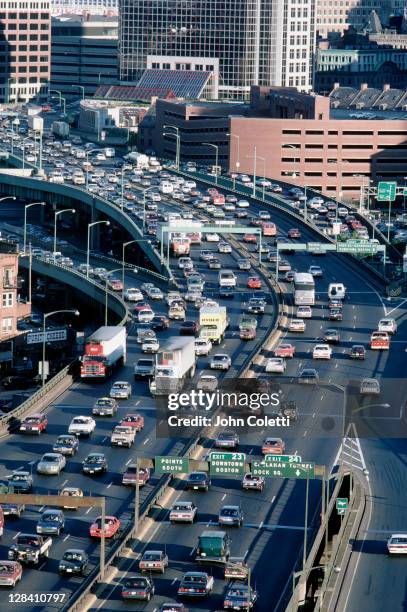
(60, 128)
(104, 350)
(213, 321)
(175, 361)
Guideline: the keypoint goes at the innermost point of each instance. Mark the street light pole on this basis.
(88, 243)
(216, 147)
(45, 316)
(82, 88)
(25, 220)
(56, 215)
(238, 154)
(124, 245)
(178, 139)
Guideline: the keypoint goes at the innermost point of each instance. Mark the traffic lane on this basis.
(369, 586)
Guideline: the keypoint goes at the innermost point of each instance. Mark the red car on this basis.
(10, 573)
(129, 476)
(142, 306)
(254, 282)
(273, 446)
(252, 238)
(34, 424)
(115, 284)
(284, 350)
(294, 233)
(133, 420)
(112, 526)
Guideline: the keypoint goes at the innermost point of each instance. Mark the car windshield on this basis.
(152, 556)
(20, 477)
(95, 459)
(120, 386)
(195, 579)
(53, 518)
(197, 477)
(229, 512)
(79, 421)
(72, 556)
(123, 430)
(145, 362)
(135, 582)
(238, 592)
(6, 569)
(28, 540)
(104, 402)
(65, 440)
(32, 420)
(50, 458)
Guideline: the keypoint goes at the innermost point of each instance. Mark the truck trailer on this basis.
(175, 361)
(213, 321)
(104, 350)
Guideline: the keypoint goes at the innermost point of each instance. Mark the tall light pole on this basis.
(263, 159)
(26, 207)
(106, 291)
(295, 575)
(238, 154)
(56, 215)
(23, 145)
(178, 138)
(59, 94)
(46, 315)
(216, 147)
(81, 87)
(124, 245)
(88, 243)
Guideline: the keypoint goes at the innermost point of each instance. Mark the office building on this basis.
(333, 17)
(24, 50)
(243, 42)
(11, 309)
(84, 53)
(334, 150)
(93, 7)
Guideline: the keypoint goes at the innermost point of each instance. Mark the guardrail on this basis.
(274, 201)
(77, 600)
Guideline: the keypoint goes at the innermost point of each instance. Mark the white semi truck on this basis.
(175, 362)
(104, 350)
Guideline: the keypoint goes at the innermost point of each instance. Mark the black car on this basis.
(240, 597)
(227, 292)
(189, 328)
(227, 439)
(138, 587)
(214, 264)
(74, 561)
(198, 481)
(66, 444)
(256, 306)
(95, 463)
(332, 336)
(335, 314)
(230, 516)
(358, 351)
(159, 323)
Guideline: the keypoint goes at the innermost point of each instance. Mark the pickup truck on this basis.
(123, 435)
(30, 548)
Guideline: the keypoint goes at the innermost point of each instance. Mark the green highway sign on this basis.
(341, 505)
(227, 463)
(282, 469)
(357, 246)
(386, 191)
(283, 458)
(171, 465)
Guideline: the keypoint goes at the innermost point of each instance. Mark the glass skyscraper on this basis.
(265, 42)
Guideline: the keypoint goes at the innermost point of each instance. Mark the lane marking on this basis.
(89, 509)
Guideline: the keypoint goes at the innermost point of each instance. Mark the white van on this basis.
(166, 187)
(227, 278)
(336, 291)
(110, 152)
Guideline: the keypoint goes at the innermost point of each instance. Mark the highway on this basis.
(274, 519)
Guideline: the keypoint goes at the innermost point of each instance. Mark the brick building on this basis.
(11, 309)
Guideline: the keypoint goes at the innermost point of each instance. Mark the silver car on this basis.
(51, 463)
(105, 406)
(120, 390)
(220, 361)
(183, 512)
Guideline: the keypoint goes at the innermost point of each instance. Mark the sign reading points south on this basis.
(283, 469)
(386, 191)
(227, 463)
(171, 465)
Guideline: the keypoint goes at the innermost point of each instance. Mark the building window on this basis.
(7, 324)
(7, 300)
(8, 277)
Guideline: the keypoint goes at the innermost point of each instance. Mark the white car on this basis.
(220, 361)
(242, 204)
(304, 312)
(145, 316)
(51, 463)
(154, 293)
(150, 345)
(387, 325)
(184, 262)
(396, 544)
(120, 390)
(212, 237)
(202, 346)
(82, 426)
(276, 365)
(224, 247)
(322, 351)
(369, 386)
(316, 271)
(132, 294)
(297, 325)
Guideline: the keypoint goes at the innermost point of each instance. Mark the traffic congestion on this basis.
(210, 543)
